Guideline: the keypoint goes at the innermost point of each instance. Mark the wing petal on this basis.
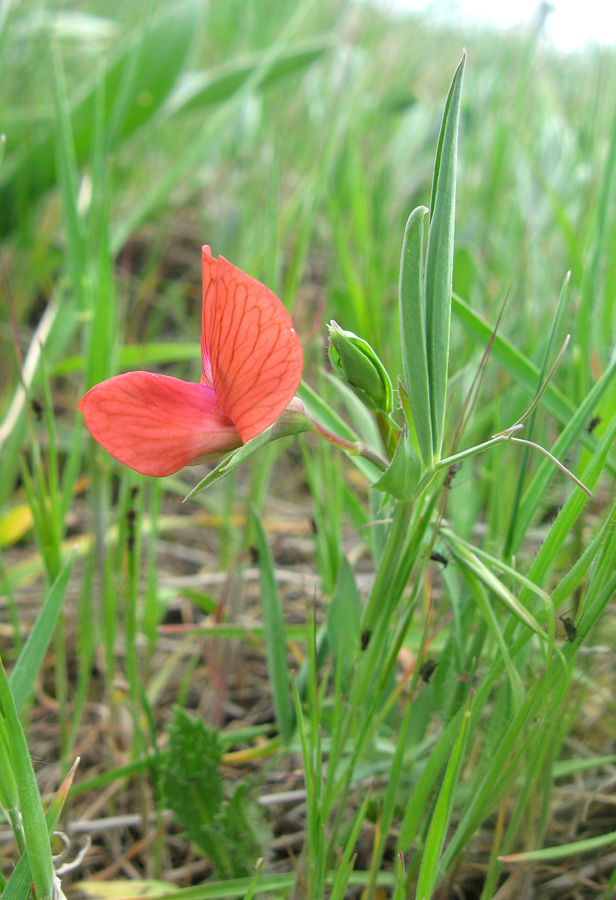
(248, 338)
(156, 424)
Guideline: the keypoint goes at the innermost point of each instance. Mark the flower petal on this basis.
(157, 424)
(249, 346)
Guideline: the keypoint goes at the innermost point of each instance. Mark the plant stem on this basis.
(354, 448)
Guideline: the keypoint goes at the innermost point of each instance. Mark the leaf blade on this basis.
(412, 312)
(439, 258)
(275, 638)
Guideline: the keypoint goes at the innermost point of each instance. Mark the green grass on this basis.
(291, 606)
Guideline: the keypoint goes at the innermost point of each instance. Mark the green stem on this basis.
(473, 451)
(508, 435)
(354, 448)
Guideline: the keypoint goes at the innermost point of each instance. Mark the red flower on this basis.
(252, 366)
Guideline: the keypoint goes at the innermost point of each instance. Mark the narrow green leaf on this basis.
(439, 258)
(563, 851)
(487, 578)
(343, 617)
(604, 567)
(275, 640)
(603, 596)
(280, 884)
(525, 373)
(33, 818)
(574, 429)
(561, 528)
(345, 865)
(547, 353)
(9, 797)
(399, 893)
(442, 813)
(494, 775)
(198, 89)
(31, 657)
(412, 311)
(391, 799)
(138, 355)
(485, 607)
(19, 886)
(418, 801)
(595, 316)
(565, 768)
(255, 879)
(496, 563)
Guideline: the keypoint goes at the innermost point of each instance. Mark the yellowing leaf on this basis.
(14, 524)
(117, 890)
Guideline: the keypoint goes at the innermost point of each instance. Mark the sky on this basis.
(571, 25)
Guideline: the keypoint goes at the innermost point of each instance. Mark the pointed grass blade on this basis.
(31, 657)
(275, 640)
(33, 817)
(428, 873)
(19, 886)
(205, 88)
(563, 851)
(525, 373)
(573, 431)
(472, 563)
(419, 799)
(439, 258)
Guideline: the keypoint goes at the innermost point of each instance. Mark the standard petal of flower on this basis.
(254, 353)
(156, 424)
(210, 272)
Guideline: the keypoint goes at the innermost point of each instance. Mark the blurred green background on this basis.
(295, 138)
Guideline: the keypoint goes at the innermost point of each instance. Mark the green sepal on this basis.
(292, 421)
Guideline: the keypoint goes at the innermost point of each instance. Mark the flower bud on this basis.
(354, 360)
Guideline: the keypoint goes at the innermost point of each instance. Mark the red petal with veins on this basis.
(156, 424)
(251, 353)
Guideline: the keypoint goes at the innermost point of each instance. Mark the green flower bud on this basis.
(354, 360)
